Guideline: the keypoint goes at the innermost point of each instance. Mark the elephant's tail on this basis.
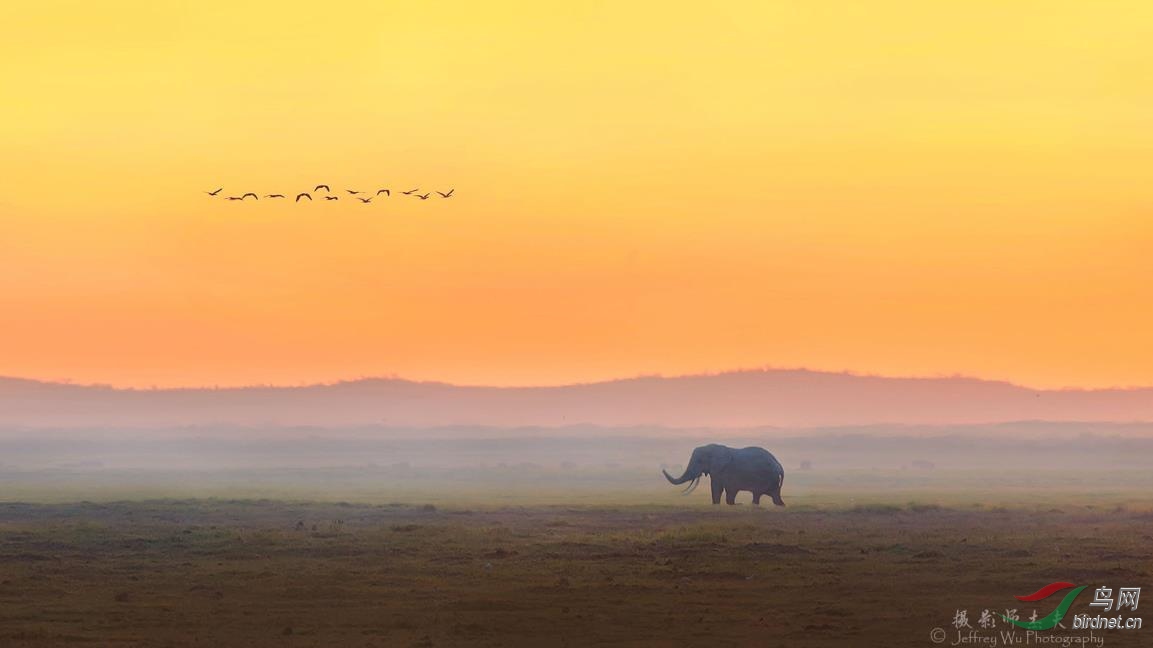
(777, 495)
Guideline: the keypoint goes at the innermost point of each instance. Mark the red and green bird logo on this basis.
(1054, 617)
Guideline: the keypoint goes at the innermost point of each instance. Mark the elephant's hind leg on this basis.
(756, 499)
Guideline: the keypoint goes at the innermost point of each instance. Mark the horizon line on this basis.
(703, 374)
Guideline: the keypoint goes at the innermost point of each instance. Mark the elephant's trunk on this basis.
(692, 473)
(678, 480)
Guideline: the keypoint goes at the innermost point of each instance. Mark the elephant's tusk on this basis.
(692, 486)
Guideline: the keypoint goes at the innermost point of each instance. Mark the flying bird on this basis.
(410, 192)
(250, 194)
(213, 193)
(303, 195)
(383, 191)
(446, 195)
(332, 197)
(274, 196)
(352, 192)
(423, 197)
(364, 200)
(319, 187)
(234, 198)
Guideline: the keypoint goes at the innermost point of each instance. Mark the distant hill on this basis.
(789, 398)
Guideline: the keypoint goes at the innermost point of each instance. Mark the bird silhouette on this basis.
(319, 187)
(364, 200)
(213, 193)
(332, 197)
(303, 195)
(410, 192)
(234, 198)
(446, 195)
(274, 196)
(423, 197)
(383, 191)
(250, 194)
(352, 192)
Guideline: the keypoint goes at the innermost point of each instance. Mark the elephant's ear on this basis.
(720, 460)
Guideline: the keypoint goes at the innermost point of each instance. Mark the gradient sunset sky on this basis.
(902, 188)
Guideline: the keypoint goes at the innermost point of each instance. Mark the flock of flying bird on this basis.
(352, 194)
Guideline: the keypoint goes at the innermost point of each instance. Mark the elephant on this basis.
(734, 469)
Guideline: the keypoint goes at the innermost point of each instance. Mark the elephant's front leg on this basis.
(717, 489)
(730, 496)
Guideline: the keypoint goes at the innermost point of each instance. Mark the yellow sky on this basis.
(908, 188)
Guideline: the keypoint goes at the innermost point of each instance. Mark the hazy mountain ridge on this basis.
(795, 398)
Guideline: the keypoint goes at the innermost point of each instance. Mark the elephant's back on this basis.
(763, 455)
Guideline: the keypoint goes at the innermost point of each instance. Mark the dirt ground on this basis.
(213, 572)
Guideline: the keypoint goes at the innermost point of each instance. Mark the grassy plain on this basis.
(865, 559)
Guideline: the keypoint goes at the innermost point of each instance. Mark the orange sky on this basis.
(903, 188)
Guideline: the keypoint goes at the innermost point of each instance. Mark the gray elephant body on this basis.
(735, 469)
